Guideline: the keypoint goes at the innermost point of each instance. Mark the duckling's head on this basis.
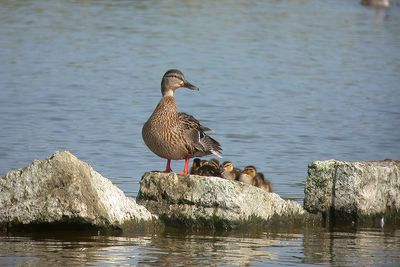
(228, 166)
(250, 170)
(196, 163)
(174, 79)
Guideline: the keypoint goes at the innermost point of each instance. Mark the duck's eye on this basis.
(175, 76)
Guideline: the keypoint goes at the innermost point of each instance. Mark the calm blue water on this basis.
(282, 83)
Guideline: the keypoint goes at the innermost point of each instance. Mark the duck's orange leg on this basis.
(168, 168)
(186, 169)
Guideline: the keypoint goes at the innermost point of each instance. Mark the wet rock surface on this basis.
(197, 201)
(63, 189)
(353, 191)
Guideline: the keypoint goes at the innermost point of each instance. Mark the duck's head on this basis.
(228, 166)
(250, 170)
(174, 79)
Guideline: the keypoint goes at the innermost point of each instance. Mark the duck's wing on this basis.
(192, 123)
(196, 138)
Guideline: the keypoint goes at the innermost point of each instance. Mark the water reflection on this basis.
(164, 250)
(365, 247)
(316, 246)
(211, 250)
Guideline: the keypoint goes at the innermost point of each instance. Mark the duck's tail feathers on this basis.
(212, 146)
(216, 153)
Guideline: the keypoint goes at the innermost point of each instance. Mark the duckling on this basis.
(263, 183)
(248, 175)
(195, 166)
(210, 168)
(230, 172)
(214, 162)
(175, 135)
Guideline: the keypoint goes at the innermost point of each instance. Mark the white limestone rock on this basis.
(199, 201)
(64, 189)
(353, 190)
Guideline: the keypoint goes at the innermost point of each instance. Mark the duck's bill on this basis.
(190, 86)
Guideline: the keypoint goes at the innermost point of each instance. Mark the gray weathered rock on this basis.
(353, 190)
(64, 189)
(199, 201)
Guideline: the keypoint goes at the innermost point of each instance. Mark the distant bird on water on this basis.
(376, 3)
(176, 135)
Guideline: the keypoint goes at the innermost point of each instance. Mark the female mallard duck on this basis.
(230, 172)
(248, 175)
(176, 135)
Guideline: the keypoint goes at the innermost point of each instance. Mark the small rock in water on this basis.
(353, 191)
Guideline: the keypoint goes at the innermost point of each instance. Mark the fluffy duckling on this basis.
(195, 166)
(263, 183)
(210, 168)
(214, 162)
(230, 172)
(248, 175)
